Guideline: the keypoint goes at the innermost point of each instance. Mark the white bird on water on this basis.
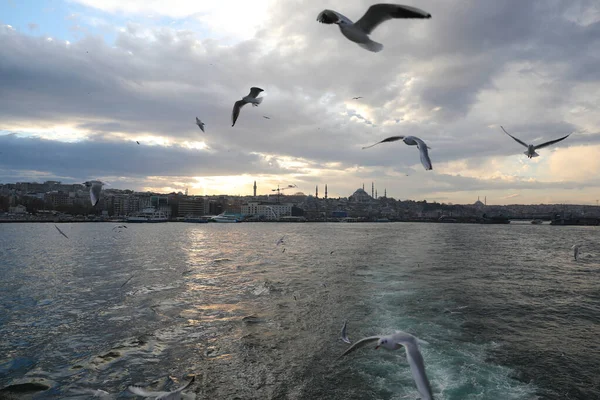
(411, 141)
(174, 395)
(575, 248)
(359, 31)
(413, 355)
(251, 98)
(200, 124)
(95, 189)
(530, 152)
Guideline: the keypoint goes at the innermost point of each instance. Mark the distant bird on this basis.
(95, 189)
(280, 241)
(62, 233)
(265, 117)
(356, 98)
(575, 248)
(174, 395)
(200, 124)
(251, 98)
(137, 142)
(413, 356)
(359, 31)
(531, 148)
(411, 141)
(127, 281)
(344, 334)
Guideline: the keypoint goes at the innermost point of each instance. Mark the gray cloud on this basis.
(156, 80)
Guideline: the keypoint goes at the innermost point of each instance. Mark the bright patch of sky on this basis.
(70, 21)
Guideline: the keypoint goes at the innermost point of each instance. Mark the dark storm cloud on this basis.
(87, 159)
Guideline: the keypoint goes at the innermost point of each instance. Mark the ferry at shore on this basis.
(148, 215)
(224, 218)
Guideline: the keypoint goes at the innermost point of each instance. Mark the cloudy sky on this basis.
(82, 80)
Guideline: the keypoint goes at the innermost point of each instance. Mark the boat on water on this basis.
(499, 219)
(148, 215)
(196, 220)
(224, 218)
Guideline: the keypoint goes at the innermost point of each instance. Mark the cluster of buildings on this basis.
(32, 200)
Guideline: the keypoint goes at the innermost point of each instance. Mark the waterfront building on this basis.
(269, 211)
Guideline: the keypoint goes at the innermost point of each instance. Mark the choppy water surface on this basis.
(506, 311)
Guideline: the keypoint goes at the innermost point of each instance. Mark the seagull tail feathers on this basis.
(372, 46)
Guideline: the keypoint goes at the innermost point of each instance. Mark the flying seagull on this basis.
(62, 233)
(265, 117)
(531, 148)
(356, 98)
(95, 188)
(200, 124)
(174, 395)
(575, 248)
(413, 355)
(251, 98)
(411, 141)
(344, 334)
(137, 142)
(359, 31)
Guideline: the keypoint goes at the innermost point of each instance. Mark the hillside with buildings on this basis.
(41, 201)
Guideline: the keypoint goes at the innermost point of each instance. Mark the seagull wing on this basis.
(390, 139)
(142, 392)
(61, 232)
(344, 334)
(331, 17)
(518, 141)
(255, 91)
(359, 344)
(379, 13)
(184, 386)
(539, 146)
(236, 111)
(417, 368)
(95, 193)
(424, 154)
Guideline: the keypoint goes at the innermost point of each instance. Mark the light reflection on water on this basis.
(67, 321)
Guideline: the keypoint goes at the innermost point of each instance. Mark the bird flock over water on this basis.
(358, 32)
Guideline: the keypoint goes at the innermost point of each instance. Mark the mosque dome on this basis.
(360, 196)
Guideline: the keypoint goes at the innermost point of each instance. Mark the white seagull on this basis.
(200, 124)
(95, 189)
(359, 31)
(575, 248)
(530, 152)
(174, 395)
(251, 98)
(413, 355)
(411, 141)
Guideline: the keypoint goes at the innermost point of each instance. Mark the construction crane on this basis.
(278, 190)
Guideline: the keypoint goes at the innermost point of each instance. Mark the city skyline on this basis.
(117, 73)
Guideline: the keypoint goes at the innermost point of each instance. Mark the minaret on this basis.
(254, 188)
(385, 193)
(317, 191)
(485, 201)
(373, 189)
(363, 186)
(325, 191)
(375, 193)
